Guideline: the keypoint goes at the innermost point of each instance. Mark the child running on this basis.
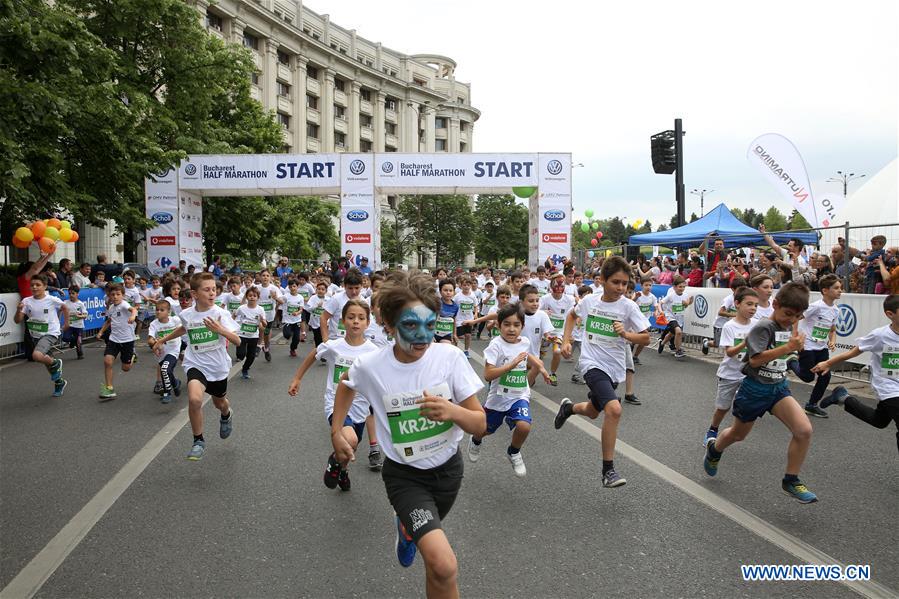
(424, 398)
(339, 354)
(726, 311)
(649, 307)
(506, 363)
(76, 312)
(164, 324)
(293, 315)
(765, 389)
(315, 307)
(577, 336)
(468, 310)
(269, 299)
(120, 317)
(43, 313)
(445, 327)
(673, 306)
(610, 322)
(537, 325)
(557, 305)
(251, 318)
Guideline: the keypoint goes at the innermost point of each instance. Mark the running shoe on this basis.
(710, 464)
(293, 353)
(553, 380)
(343, 480)
(166, 398)
(245, 375)
(226, 426)
(633, 399)
(637, 361)
(710, 436)
(375, 461)
(196, 452)
(661, 347)
(177, 388)
(838, 396)
(59, 387)
(564, 412)
(612, 479)
(55, 370)
(268, 355)
(107, 393)
(405, 547)
(680, 354)
(474, 450)
(518, 464)
(576, 379)
(798, 491)
(157, 388)
(705, 347)
(133, 359)
(467, 354)
(813, 410)
(332, 472)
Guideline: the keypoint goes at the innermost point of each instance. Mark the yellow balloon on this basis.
(66, 235)
(65, 225)
(608, 253)
(24, 234)
(52, 233)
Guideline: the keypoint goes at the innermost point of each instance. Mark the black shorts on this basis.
(439, 338)
(602, 389)
(126, 350)
(465, 329)
(422, 498)
(672, 327)
(213, 388)
(305, 317)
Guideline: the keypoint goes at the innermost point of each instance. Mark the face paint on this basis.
(416, 327)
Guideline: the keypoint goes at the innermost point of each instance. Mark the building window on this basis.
(463, 147)
(311, 101)
(390, 128)
(390, 103)
(339, 139)
(312, 130)
(440, 145)
(339, 111)
(389, 149)
(312, 72)
(365, 94)
(364, 145)
(283, 90)
(254, 78)
(440, 122)
(250, 41)
(339, 84)
(463, 126)
(284, 58)
(284, 120)
(393, 73)
(419, 82)
(213, 21)
(365, 120)
(460, 100)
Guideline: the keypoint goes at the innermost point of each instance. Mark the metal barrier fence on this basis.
(16, 350)
(584, 261)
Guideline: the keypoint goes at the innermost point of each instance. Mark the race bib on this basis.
(249, 327)
(645, 308)
(38, 328)
(341, 365)
(466, 307)
(202, 339)
(413, 436)
(820, 333)
(558, 322)
(444, 326)
(233, 306)
(75, 317)
(777, 368)
(742, 354)
(600, 327)
(514, 382)
(677, 308)
(341, 329)
(268, 306)
(490, 303)
(293, 309)
(889, 361)
(305, 295)
(318, 311)
(218, 302)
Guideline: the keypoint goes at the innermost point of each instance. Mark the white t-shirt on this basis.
(315, 306)
(763, 312)
(292, 309)
(120, 330)
(732, 334)
(207, 351)
(158, 330)
(673, 306)
(377, 335)
(467, 304)
(334, 307)
(557, 309)
(542, 286)
(393, 388)
(43, 315)
(175, 304)
(77, 312)
(883, 344)
(726, 304)
(602, 347)
(513, 385)
(647, 303)
(152, 293)
(268, 300)
(536, 325)
(333, 288)
(488, 300)
(816, 324)
(249, 321)
(339, 356)
(571, 289)
(231, 302)
(133, 296)
(307, 290)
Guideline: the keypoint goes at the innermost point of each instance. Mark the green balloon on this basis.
(595, 226)
(585, 227)
(588, 213)
(524, 192)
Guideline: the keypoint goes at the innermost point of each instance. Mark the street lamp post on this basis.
(701, 193)
(844, 178)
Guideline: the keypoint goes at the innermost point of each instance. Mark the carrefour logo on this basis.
(554, 215)
(387, 168)
(846, 321)
(700, 306)
(190, 169)
(554, 167)
(163, 218)
(357, 167)
(357, 215)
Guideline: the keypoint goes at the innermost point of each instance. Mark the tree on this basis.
(797, 221)
(662, 227)
(672, 223)
(442, 225)
(303, 227)
(693, 217)
(396, 241)
(752, 218)
(774, 220)
(502, 226)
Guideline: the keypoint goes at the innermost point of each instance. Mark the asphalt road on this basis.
(128, 516)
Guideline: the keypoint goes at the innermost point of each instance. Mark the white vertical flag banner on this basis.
(554, 207)
(190, 227)
(161, 202)
(359, 216)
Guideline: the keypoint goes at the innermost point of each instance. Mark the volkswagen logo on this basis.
(357, 215)
(701, 306)
(846, 321)
(2, 314)
(554, 167)
(395, 402)
(554, 215)
(387, 168)
(190, 169)
(357, 167)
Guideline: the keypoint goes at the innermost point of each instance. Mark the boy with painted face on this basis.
(424, 398)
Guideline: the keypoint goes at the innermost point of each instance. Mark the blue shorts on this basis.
(359, 427)
(602, 388)
(753, 398)
(520, 410)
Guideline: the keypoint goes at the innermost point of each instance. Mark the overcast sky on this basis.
(597, 79)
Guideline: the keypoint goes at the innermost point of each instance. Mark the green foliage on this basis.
(502, 226)
(797, 221)
(442, 225)
(775, 220)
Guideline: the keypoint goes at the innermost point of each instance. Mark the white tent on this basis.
(872, 207)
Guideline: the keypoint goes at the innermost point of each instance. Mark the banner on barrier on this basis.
(10, 332)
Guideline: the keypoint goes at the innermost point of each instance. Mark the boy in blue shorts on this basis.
(765, 389)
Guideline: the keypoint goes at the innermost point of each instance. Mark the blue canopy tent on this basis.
(722, 222)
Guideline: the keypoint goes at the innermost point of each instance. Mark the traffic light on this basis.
(664, 154)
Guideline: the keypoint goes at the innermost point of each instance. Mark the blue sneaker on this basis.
(405, 548)
(55, 370)
(798, 491)
(245, 375)
(612, 479)
(59, 387)
(838, 396)
(166, 398)
(225, 426)
(177, 388)
(196, 452)
(710, 464)
(467, 354)
(710, 435)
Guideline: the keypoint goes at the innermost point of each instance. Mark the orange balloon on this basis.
(74, 237)
(19, 243)
(47, 245)
(54, 222)
(38, 229)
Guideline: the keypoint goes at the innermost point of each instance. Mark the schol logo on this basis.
(387, 168)
(190, 169)
(554, 215)
(357, 167)
(554, 167)
(846, 321)
(357, 216)
(701, 306)
(163, 218)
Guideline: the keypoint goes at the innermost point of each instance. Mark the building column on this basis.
(327, 112)
(299, 105)
(270, 77)
(354, 128)
(380, 113)
(202, 5)
(236, 32)
(471, 136)
(430, 131)
(453, 136)
(409, 119)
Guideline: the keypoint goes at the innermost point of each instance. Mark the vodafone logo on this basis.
(555, 238)
(162, 240)
(357, 237)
